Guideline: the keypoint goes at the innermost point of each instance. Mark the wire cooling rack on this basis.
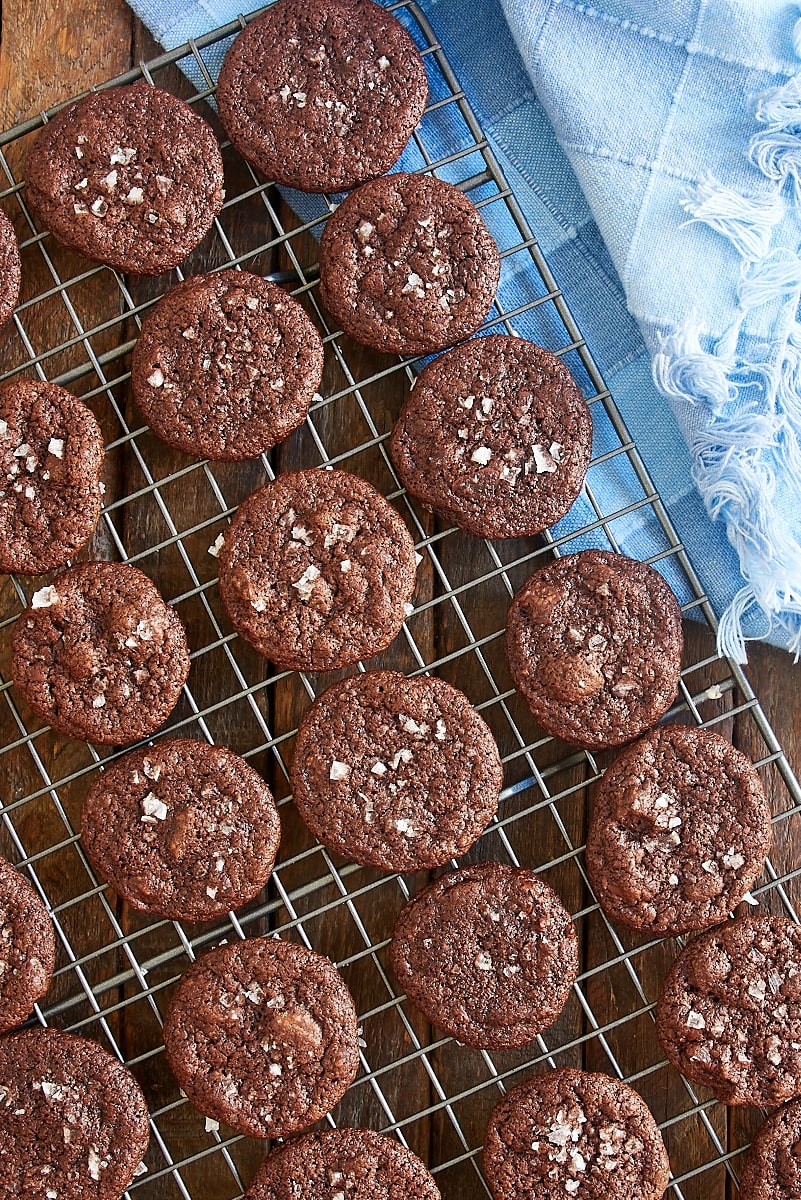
(76, 325)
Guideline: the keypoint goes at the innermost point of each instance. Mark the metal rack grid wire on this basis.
(75, 325)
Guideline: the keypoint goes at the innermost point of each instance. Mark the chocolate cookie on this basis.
(394, 772)
(10, 270)
(129, 176)
(679, 832)
(594, 643)
(772, 1169)
(572, 1133)
(100, 655)
(496, 437)
(407, 265)
(729, 1012)
(226, 365)
(488, 953)
(262, 1035)
(182, 829)
(356, 1163)
(317, 570)
(27, 947)
(51, 460)
(74, 1121)
(321, 97)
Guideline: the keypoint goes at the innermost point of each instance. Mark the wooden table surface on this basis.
(438, 1099)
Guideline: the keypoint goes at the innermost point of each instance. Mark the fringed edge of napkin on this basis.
(751, 411)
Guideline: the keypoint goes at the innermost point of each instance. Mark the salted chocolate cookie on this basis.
(772, 1169)
(51, 461)
(182, 829)
(129, 176)
(322, 97)
(729, 1012)
(262, 1036)
(99, 655)
(488, 953)
(407, 265)
(396, 773)
(74, 1121)
(496, 437)
(679, 832)
(226, 365)
(317, 570)
(27, 947)
(354, 1163)
(594, 643)
(10, 270)
(574, 1133)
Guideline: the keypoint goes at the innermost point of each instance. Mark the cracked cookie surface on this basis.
(495, 436)
(27, 947)
(322, 97)
(128, 176)
(407, 265)
(226, 365)
(397, 773)
(317, 570)
(10, 270)
(594, 643)
(772, 1169)
(262, 1035)
(100, 655)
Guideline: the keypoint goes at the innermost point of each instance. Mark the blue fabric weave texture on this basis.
(656, 152)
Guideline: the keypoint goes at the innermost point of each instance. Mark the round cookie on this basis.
(594, 643)
(27, 947)
(356, 1163)
(496, 437)
(317, 570)
(488, 953)
(772, 1169)
(262, 1036)
(99, 655)
(51, 461)
(182, 829)
(679, 831)
(10, 270)
(129, 176)
(396, 773)
(729, 1012)
(74, 1121)
(226, 365)
(322, 97)
(407, 265)
(574, 1133)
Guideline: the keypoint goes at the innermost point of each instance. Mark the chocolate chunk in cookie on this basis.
(496, 437)
(322, 97)
(316, 570)
(51, 460)
(729, 1012)
(10, 270)
(772, 1169)
(571, 1133)
(355, 1163)
(27, 948)
(262, 1035)
(407, 265)
(594, 643)
(489, 954)
(129, 176)
(182, 829)
(226, 365)
(679, 832)
(74, 1121)
(99, 655)
(396, 773)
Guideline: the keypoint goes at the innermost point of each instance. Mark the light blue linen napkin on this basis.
(655, 151)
